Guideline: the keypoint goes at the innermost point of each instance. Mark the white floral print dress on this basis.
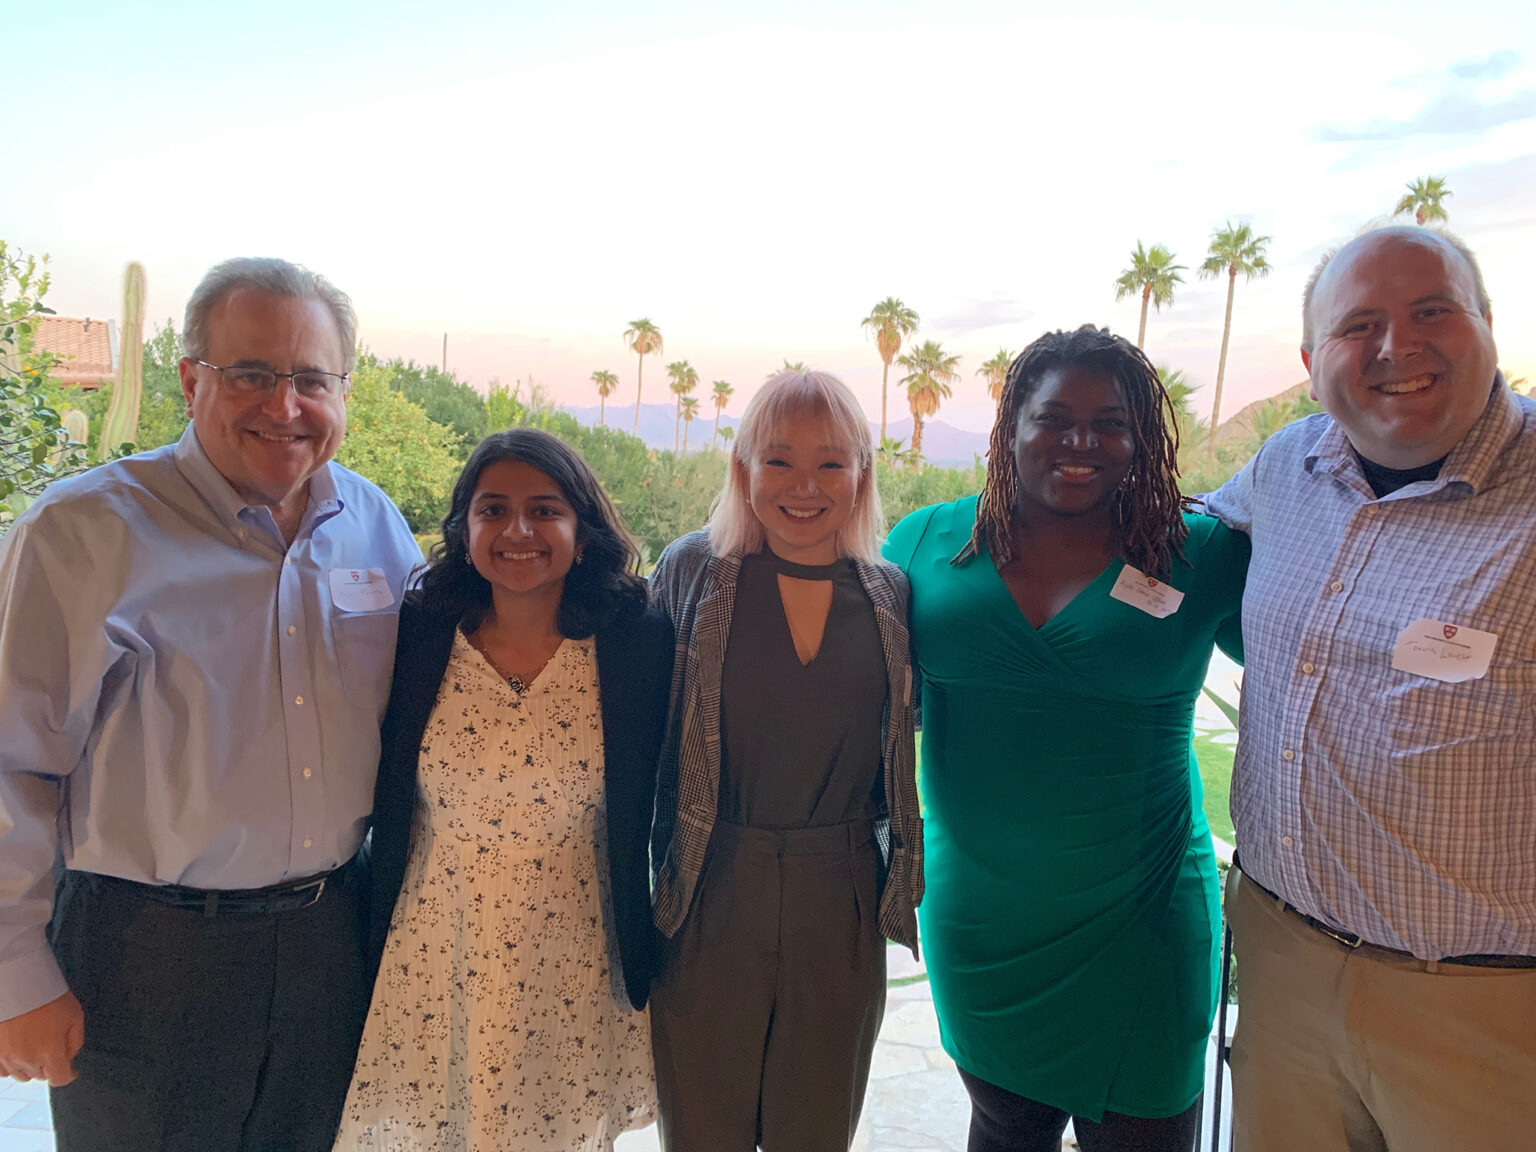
(499, 1020)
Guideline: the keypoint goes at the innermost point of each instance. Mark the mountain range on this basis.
(943, 444)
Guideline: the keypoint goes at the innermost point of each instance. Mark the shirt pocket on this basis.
(365, 653)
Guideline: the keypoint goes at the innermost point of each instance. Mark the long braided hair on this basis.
(1148, 508)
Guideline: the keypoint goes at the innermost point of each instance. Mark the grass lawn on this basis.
(1216, 775)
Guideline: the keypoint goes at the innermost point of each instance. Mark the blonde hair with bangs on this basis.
(733, 526)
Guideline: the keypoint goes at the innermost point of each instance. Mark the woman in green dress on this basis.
(1063, 623)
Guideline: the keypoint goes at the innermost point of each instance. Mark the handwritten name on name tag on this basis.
(360, 589)
(1152, 596)
(1447, 652)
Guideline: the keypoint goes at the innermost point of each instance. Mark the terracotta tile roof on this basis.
(87, 349)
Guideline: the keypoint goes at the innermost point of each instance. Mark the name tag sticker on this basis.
(1447, 652)
(1149, 594)
(360, 589)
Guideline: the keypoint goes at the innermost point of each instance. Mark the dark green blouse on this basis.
(790, 759)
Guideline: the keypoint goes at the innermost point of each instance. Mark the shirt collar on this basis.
(1471, 461)
(324, 498)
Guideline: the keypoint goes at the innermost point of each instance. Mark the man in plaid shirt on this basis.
(1384, 911)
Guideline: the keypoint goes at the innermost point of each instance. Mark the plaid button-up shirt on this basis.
(1384, 803)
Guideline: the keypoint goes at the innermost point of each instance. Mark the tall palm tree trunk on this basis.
(677, 428)
(685, 438)
(1221, 365)
(715, 435)
(885, 371)
(1141, 333)
(602, 407)
(639, 380)
(917, 437)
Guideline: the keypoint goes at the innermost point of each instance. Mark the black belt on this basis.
(1355, 943)
(287, 897)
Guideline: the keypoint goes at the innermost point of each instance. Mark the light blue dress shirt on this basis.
(185, 699)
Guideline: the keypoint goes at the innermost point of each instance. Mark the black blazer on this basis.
(634, 672)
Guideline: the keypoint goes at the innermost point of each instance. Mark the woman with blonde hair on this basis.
(787, 838)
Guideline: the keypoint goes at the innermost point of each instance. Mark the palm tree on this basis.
(889, 320)
(1424, 199)
(1233, 250)
(721, 392)
(684, 380)
(1190, 427)
(688, 407)
(643, 338)
(995, 373)
(606, 382)
(931, 375)
(895, 453)
(1153, 274)
(788, 366)
(727, 434)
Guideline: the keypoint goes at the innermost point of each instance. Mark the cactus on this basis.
(121, 425)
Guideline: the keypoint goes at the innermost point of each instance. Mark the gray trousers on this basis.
(771, 994)
(230, 1034)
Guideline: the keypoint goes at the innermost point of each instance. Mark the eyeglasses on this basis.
(312, 385)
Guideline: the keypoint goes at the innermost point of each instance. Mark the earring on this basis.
(578, 557)
(468, 559)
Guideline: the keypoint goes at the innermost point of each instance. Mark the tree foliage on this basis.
(393, 442)
(1152, 276)
(35, 449)
(445, 398)
(1426, 199)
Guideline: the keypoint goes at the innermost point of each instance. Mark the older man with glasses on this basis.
(195, 652)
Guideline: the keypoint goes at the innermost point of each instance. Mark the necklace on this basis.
(518, 684)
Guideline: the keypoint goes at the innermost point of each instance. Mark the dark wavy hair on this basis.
(606, 586)
(1148, 510)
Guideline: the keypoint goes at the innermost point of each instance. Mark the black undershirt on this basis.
(1385, 480)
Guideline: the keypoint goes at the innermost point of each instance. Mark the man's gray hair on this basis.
(1418, 232)
(266, 274)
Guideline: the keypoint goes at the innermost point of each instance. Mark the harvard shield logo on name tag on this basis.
(1451, 653)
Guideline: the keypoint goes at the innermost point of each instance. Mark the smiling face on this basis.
(803, 487)
(1072, 442)
(267, 445)
(1402, 357)
(523, 532)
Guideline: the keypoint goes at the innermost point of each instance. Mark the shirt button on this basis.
(308, 842)
(291, 629)
(1288, 754)
(1287, 841)
(1308, 669)
(307, 773)
(1336, 586)
(299, 700)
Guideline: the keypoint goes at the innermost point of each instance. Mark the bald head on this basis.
(1400, 344)
(1408, 234)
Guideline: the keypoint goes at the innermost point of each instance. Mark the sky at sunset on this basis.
(530, 177)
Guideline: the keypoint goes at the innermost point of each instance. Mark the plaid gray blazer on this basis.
(697, 591)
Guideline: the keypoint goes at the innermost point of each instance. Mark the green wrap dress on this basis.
(1071, 922)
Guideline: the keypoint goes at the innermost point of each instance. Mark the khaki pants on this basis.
(1343, 1050)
